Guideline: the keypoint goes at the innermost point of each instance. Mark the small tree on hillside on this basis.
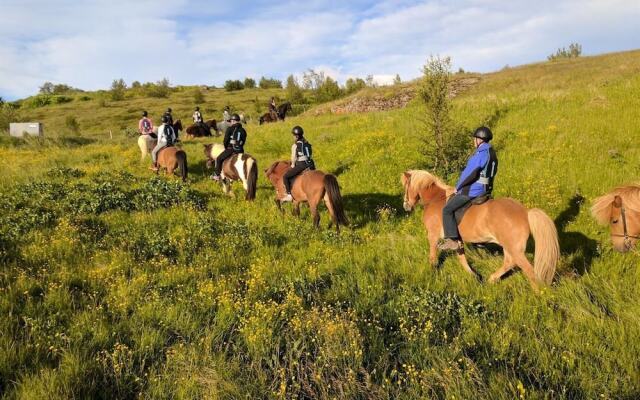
(574, 51)
(294, 92)
(46, 88)
(270, 83)
(249, 83)
(198, 97)
(72, 124)
(353, 85)
(232, 85)
(118, 86)
(397, 80)
(445, 143)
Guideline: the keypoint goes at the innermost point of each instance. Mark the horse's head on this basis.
(177, 125)
(620, 210)
(411, 195)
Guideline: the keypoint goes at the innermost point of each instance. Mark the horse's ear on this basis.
(617, 202)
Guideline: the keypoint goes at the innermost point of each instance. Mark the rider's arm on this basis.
(140, 127)
(293, 155)
(472, 171)
(227, 137)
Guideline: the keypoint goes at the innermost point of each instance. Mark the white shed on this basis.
(19, 129)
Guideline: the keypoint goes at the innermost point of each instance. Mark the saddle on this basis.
(459, 214)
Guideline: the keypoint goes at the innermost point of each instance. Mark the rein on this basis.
(626, 236)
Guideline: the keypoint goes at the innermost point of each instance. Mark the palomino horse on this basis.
(239, 167)
(620, 209)
(281, 111)
(197, 130)
(310, 187)
(501, 221)
(173, 158)
(146, 143)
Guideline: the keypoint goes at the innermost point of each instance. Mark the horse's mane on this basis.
(273, 166)
(630, 195)
(422, 180)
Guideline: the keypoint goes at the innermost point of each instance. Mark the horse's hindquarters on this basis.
(501, 221)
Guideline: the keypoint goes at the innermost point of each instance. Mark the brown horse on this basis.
(620, 209)
(239, 167)
(197, 130)
(146, 143)
(501, 221)
(281, 113)
(310, 187)
(173, 158)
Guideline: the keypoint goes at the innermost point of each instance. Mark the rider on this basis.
(166, 138)
(476, 180)
(225, 114)
(197, 117)
(169, 116)
(234, 140)
(145, 126)
(273, 109)
(300, 160)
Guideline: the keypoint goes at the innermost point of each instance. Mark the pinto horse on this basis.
(172, 158)
(620, 209)
(281, 111)
(310, 187)
(146, 143)
(239, 167)
(501, 221)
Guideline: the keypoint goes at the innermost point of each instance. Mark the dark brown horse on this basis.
(281, 111)
(310, 187)
(172, 158)
(501, 221)
(620, 209)
(200, 130)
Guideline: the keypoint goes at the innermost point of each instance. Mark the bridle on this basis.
(625, 235)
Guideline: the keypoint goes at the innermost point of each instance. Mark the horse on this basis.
(172, 158)
(281, 111)
(620, 209)
(221, 127)
(239, 167)
(146, 143)
(502, 221)
(312, 186)
(199, 130)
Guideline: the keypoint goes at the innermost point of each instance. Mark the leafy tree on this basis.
(353, 85)
(397, 80)
(232, 85)
(160, 89)
(369, 81)
(445, 143)
(136, 85)
(249, 83)
(270, 83)
(294, 92)
(46, 88)
(118, 86)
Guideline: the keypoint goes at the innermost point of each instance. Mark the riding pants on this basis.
(448, 215)
(221, 157)
(156, 150)
(289, 176)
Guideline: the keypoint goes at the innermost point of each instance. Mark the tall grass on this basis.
(116, 284)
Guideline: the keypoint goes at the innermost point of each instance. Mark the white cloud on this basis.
(88, 44)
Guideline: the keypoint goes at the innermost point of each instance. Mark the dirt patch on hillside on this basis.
(387, 98)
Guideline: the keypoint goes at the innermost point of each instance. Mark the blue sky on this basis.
(87, 44)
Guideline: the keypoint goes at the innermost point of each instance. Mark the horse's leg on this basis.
(526, 267)
(279, 205)
(507, 265)
(296, 208)
(313, 207)
(463, 260)
(432, 237)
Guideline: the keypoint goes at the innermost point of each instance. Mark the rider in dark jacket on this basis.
(273, 110)
(300, 160)
(234, 139)
(476, 180)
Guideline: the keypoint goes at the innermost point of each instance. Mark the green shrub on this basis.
(232, 85)
(71, 124)
(160, 89)
(270, 83)
(62, 99)
(118, 87)
(574, 51)
(249, 83)
(38, 101)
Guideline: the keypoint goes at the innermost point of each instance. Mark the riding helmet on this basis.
(297, 130)
(144, 114)
(169, 109)
(235, 117)
(165, 119)
(197, 108)
(483, 133)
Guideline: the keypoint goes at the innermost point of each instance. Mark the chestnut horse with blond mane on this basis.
(311, 186)
(620, 209)
(501, 221)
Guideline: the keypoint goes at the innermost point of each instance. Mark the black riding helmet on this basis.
(197, 108)
(298, 131)
(169, 109)
(235, 117)
(165, 119)
(483, 133)
(144, 114)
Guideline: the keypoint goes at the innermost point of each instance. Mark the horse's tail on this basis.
(182, 164)
(547, 251)
(333, 199)
(252, 178)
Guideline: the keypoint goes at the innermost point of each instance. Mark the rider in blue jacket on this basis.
(476, 180)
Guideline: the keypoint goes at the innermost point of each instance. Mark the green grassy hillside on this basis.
(116, 284)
